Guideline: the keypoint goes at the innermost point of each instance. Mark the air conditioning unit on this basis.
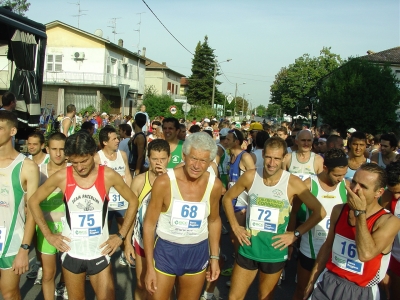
(125, 61)
(79, 55)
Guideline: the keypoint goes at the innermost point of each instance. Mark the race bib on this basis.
(302, 176)
(86, 223)
(321, 229)
(264, 218)
(116, 201)
(187, 214)
(3, 233)
(344, 255)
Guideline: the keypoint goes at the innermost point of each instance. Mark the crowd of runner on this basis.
(285, 189)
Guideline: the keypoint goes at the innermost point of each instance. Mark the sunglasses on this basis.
(234, 132)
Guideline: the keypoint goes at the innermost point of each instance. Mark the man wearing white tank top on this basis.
(386, 154)
(258, 159)
(185, 208)
(68, 123)
(112, 157)
(85, 241)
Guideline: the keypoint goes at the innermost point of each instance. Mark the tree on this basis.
(273, 110)
(362, 95)
(260, 110)
(201, 81)
(295, 85)
(18, 6)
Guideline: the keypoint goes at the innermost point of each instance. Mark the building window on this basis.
(119, 68)
(54, 63)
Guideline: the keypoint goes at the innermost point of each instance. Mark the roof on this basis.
(151, 64)
(391, 56)
(56, 23)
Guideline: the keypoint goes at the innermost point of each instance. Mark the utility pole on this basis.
(215, 75)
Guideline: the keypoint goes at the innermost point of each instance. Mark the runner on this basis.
(264, 239)
(258, 159)
(137, 146)
(53, 210)
(185, 203)
(356, 253)
(36, 144)
(19, 178)
(388, 144)
(222, 158)
(390, 200)
(110, 156)
(141, 187)
(356, 144)
(68, 123)
(170, 127)
(85, 241)
(329, 187)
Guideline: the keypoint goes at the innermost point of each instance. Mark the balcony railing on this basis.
(87, 79)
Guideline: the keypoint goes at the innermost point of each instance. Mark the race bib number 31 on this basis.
(345, 256)
(86, 224)
(187, 214)
(264, 218)
(3, 232)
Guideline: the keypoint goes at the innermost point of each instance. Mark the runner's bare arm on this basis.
(96, 158)
(370, 245)
(298, 188)
(30, 182)
(324, 252)
(57, 180)
(66, 123)
(128, 177)
(286, 161)
(318, 164)
(244, 183)
(159, 194)
(247, 162)
(112, 178)
(375, 157)
(214, 229)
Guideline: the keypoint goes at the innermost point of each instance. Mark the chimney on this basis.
(164, 63)
(144, 52)
(121, 43)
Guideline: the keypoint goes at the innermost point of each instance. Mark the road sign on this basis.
(229, 99)
(186, 107)
(173, 110)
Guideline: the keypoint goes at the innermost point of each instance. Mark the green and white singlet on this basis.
(12, 212)
(267, 215)
(45, 160)
(176, 156)
(71, 129)
(312, 241)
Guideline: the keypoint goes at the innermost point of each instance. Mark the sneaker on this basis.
(60, 289)
(38, 280)
(65, 295)
(204, 298)
(224, 230)
(123, 262)
(87, 278)
(32, 274)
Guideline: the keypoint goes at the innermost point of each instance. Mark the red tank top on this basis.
(344, 260)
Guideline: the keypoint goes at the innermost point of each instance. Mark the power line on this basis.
(166, 28)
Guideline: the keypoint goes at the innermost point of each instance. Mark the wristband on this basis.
(214, 257)
(120, 236)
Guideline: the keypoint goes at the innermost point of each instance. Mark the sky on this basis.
(259, 36)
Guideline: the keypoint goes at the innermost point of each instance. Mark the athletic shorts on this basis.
(6, 262)
(138, 250)
(394, 266)
(329, 286)
(42, 244)
(88, 266)
(265, 267)
(173, 259)
(116, 213)
(305, 262)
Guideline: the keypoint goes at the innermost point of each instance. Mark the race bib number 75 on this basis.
(86, 223)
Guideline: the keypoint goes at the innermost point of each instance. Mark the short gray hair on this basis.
(200, 141)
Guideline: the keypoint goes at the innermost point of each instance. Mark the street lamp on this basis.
(234, 108)
(215, 75)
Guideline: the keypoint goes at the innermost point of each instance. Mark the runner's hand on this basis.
(213, 271)
(129, 252)
(283, 240)
(242, 235)
(356, 200)
(58, 241)
(21, 262)
(151, 280)
(111, 245)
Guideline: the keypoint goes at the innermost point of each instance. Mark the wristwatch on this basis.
(359, 212)
(120, 236)
(25, 246)
(297, 233)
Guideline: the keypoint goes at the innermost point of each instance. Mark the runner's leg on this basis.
(140, 290)
(240, 282)
(190, 286)
(75, 284)
(9, 285)
(165, 285)
(267, 285)
(103, 284)
(49, 274)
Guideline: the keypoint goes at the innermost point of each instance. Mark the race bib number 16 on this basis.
(86, 224)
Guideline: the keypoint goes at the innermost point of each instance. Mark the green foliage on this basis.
(237, 106)
(158, 105)
(105, 106)
(295, 85)
(201, 81)
(362, 95)
(273, 109)
(149, 91)
(18, 6)
(90, 109)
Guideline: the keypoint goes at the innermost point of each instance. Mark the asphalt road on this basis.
(125, 279)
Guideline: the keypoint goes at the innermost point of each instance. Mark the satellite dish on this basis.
(99, 32)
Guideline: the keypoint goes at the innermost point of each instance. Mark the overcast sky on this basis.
(260, 36)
